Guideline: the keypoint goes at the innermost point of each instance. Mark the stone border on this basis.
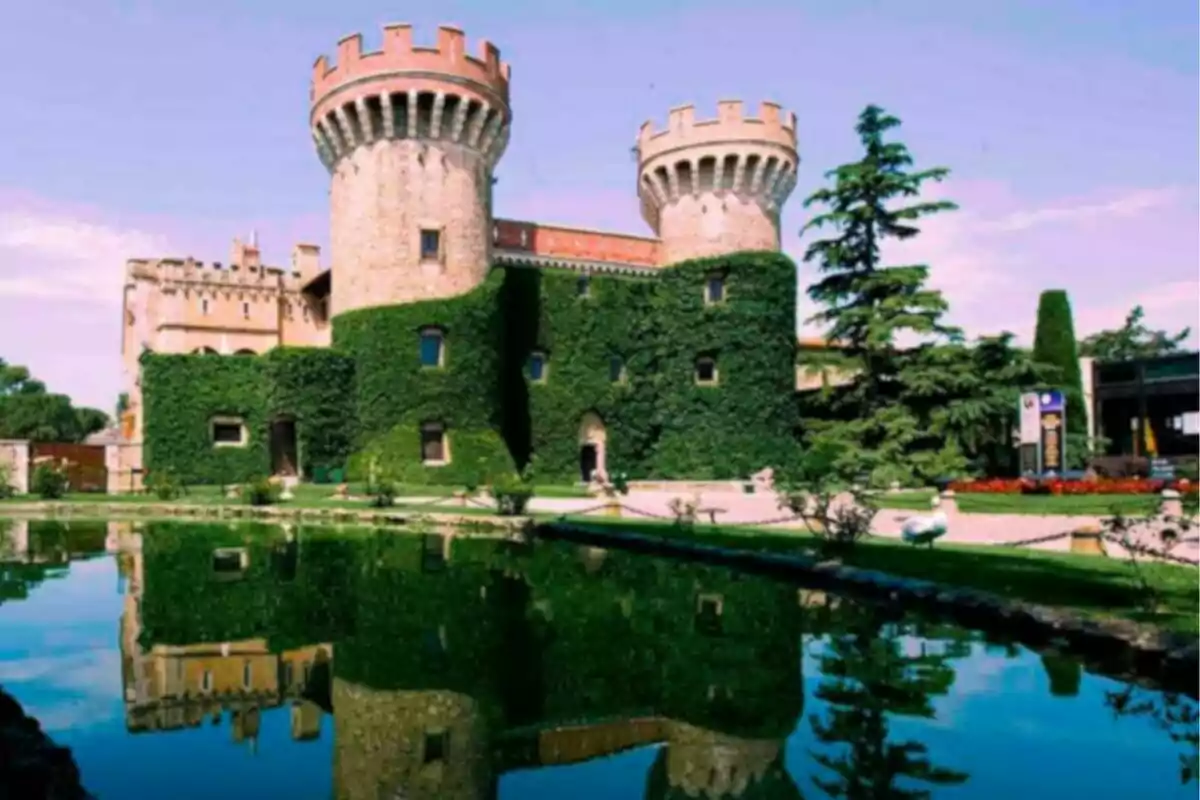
(394, 516)
(1117, 649)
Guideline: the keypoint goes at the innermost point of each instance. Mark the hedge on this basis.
(183, 393)
(364, 401)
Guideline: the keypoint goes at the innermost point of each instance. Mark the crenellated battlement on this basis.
(772, 125)
(399, 55)
(713, 186)
(244, 276)
(406, 92)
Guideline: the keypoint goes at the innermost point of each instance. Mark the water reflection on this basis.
(438, 663)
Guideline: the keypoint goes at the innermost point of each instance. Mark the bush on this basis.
(512, 494)
(50, 481)
(261, 492)
(1061, 486)
(1054, 344)
(7, 490)
(165, 484)
(382, 493)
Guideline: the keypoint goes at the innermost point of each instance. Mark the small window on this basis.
(583, 286)
(706, 371)
(431, 348)
(436, 746)
(537, 367)
(431, 245)
(247, 675)
(714, 289)
(709, 610)
(204, 306)
(206, 681)
(616, 370)
(228, 433)
(245, 311)
(433, 443)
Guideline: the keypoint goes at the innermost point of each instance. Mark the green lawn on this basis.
(1092, 585)
(1083, 505)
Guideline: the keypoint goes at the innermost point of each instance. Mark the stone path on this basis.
(743, 509)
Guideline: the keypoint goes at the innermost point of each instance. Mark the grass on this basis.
(1095, 586)
(1091, 505)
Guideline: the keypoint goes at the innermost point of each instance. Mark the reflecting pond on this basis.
(182, 660)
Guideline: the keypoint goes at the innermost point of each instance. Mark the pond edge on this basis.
(1118, 649)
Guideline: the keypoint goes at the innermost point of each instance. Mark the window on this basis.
(245, 311)
(431, 245)
(583, 287)
(431, 348)
(714, 289)
(537, 367)
(206, 681)
(204, 306)
(616, 370)
(706, 371)
(228, 432)
(709, 610)
(433, 444)
(247, 675)
(436, 745)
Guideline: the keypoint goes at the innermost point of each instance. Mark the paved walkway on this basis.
(744, 509)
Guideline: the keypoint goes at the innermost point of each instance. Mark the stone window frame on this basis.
(440, 428)
(583, 286)
(245, 309)
(228, 420)
(440, 232)
(716, 373)
(723, 278)
(433, 754)
(542, 356)
(204, 306)
(430, 331)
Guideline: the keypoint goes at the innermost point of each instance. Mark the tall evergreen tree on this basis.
(866, 305)
(1132, 340)
(1054, 344)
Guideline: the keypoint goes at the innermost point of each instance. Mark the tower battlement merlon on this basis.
(713, 186)
(406, 92)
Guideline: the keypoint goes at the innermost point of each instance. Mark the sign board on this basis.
(1052, 412)
(1030, 419)
(1161, 469)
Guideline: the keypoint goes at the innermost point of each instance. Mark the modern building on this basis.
(1147, 407)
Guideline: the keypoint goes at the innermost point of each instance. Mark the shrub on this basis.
(165, 484)
(382, 493)
(50, 481)
(512, 494)
(261, 492)
(7, 490)
(1054, 344)
(1062, 486)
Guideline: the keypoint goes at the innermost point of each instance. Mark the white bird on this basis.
(921, 529)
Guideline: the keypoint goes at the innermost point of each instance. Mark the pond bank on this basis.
(1117, 648)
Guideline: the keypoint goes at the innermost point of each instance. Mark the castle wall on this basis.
(382, 197)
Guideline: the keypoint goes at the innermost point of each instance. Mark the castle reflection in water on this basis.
(447, 661)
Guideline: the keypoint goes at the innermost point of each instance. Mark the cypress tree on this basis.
(1054, 344)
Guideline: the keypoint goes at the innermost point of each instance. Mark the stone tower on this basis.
(410, 136)
(710, 187)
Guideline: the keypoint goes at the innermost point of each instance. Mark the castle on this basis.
(466, 342)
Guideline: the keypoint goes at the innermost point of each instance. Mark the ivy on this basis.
(183, 393)
(364, 401)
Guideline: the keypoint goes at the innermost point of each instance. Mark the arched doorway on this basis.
(592, 446)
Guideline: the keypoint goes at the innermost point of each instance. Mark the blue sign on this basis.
(1052, 401)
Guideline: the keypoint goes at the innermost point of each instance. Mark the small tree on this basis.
(1132, 340)
(1054, 345)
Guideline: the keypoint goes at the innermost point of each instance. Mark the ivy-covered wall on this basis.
(364, 401)
(183, 393)
(658, 423)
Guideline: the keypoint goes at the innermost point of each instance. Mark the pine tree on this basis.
(866, 305)
(1054, 344)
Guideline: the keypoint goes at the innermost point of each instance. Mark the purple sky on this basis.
(154, 129)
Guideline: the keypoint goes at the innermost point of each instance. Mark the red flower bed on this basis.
(1060, 486)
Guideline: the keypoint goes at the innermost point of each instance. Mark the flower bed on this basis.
(1062, 486)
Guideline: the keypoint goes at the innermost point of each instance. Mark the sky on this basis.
(155, 129)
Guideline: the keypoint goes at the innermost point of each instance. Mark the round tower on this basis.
(710, 187)
(410, 136)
